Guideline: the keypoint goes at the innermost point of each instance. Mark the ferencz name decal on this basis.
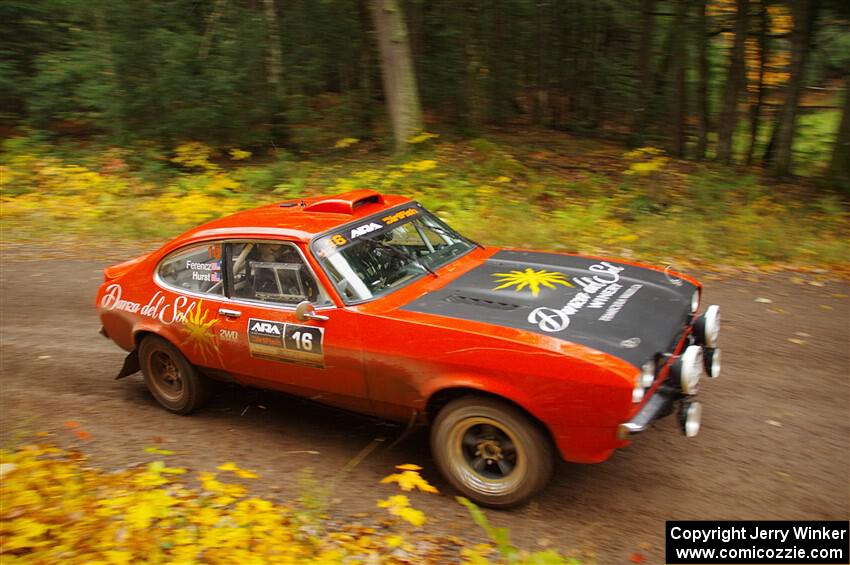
(597, 291)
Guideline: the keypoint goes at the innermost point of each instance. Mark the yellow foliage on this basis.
(409, 478)
(346, 142)
(194, 155)
(239, 154)
(57, 509)
(422, 137)
(419, 166)
(399, 505)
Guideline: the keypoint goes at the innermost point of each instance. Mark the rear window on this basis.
(195, 269)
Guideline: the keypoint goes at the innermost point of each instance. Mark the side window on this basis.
(274, 273)
(196, 269)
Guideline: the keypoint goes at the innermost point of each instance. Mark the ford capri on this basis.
(371, 303)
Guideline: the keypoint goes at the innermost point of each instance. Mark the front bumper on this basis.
(673, 389)
(658, 406)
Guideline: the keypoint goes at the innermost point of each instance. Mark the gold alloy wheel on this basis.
(486, 456)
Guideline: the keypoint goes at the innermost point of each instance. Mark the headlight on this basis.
(695, 302)
(647, 374)
(690, 417)
(707, 326)
(637, 391)
(687, 369)
(711, 360)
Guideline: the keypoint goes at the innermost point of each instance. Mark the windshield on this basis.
(383, 252)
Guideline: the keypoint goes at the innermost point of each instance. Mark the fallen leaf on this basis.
(802, 334)
(816, 283)
(45, 356)
(637, 558)
(72, 424)
(797, 341)
(764, 300)
(773, 423)
(825, 307)
(158, 451)
(838, 295)
(82, 434)
(798, 280)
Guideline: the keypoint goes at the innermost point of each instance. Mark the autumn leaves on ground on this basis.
(56, 508)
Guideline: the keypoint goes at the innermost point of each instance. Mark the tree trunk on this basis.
(679, 107)
(839, 166)
(804, 16)
(274, 66)
(702, 82)
(400, 88)
(755, 109)
(734, 80)
(645, 82)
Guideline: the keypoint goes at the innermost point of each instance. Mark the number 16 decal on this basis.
(306, 339)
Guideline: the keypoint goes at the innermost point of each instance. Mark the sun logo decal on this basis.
(531, 279)
(197, 327)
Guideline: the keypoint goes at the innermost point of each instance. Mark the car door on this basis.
(317, 358)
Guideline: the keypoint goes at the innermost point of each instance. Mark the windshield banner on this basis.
(348, 234)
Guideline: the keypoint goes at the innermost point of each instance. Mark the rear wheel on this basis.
(171, 379)
(491, 452)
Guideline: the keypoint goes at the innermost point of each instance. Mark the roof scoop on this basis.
(346, 203)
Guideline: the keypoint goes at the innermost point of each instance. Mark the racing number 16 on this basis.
(303, 340)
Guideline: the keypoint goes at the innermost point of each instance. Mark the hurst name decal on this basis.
(290, 343)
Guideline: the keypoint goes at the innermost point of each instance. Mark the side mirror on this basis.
(306, 311)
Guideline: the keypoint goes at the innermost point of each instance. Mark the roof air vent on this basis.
(346, 203)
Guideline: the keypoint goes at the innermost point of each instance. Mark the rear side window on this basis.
(195, 269)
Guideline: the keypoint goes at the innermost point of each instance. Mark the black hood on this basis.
(627, 311)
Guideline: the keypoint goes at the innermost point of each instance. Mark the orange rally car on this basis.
(371, 303)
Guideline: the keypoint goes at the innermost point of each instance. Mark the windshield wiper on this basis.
(442, 230)
(399, 253)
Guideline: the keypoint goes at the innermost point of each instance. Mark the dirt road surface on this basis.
(774, 443)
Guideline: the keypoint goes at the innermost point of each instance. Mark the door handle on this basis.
(229, 313)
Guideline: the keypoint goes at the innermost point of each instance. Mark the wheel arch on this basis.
(439, 399)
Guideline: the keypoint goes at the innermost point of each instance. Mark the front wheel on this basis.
(491, 452)
(171, 379)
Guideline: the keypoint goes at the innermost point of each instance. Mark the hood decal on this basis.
(627, 311)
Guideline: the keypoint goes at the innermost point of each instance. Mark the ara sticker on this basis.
(290, 343)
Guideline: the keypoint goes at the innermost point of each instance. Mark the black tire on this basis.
(491, 452)
(172, 380)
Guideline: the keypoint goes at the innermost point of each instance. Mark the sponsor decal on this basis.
(195, 319)
(596, 291)
(630, 343)
(167, 312)
(290, 343)
(531, 279)
(199, 335)
(231, 336)
(335, 242)
(393, 218)
(364, 229)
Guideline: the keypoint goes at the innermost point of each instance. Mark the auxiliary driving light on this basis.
(647, 374)
(707, 326)
(711, 360)
(690, 417)
(637, 391)
(687, 369)
(695, 302)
